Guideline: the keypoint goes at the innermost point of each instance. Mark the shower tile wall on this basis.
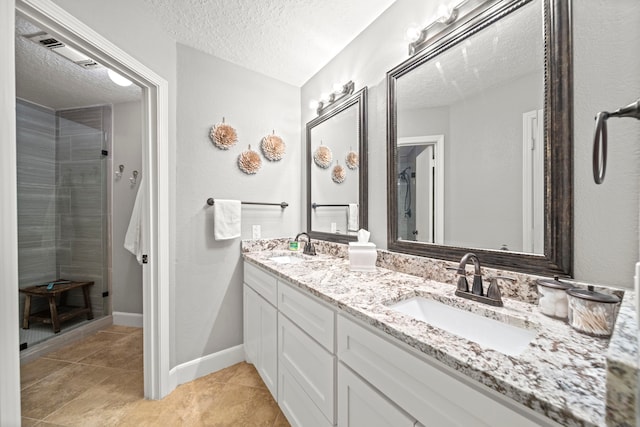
(62, 198)
(81, 195)
(36, 164)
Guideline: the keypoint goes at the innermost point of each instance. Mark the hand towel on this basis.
(352, 217)
(133, 238)
(226, 221)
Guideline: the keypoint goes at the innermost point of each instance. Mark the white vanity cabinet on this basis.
(423, 387)
(306, 337)
(261, 325)
(330, 368)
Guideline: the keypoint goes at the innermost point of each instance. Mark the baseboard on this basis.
(127, 319)
(205, 365)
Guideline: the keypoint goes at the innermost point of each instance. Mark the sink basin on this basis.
(286, 259)
(505, 338)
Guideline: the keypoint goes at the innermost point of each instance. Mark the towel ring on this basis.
(600, 137)
(600, 147)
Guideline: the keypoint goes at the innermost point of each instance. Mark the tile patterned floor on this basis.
(99, 382)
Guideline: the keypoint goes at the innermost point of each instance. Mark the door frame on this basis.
(437, 141)
(155, 185)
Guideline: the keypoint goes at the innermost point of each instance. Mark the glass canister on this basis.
(592, 313)
(552, 298)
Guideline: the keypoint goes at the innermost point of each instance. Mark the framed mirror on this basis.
(480, 140)
(337, 170)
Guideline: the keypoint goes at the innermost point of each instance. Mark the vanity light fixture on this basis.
(339, 92)
(421, 38)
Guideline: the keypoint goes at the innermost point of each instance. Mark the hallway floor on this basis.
(98, 381)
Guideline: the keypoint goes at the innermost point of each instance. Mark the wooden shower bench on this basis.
(56, 313)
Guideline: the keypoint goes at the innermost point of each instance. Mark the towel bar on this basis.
(283, 205)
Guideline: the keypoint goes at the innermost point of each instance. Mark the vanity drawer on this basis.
(311, 316)
(262, 282)
(309, 364)
(360, 405)
(296, 404)
(431, 392)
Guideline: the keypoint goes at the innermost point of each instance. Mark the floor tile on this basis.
(29, 422)
(39, 369)
(61, 387)
(246, 374)
(101, 384)
(125, 353)
(103, 404)
(85, 347)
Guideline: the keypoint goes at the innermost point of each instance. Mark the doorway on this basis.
(156, 194)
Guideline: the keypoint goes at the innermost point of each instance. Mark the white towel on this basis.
(352, 217)
(133, 238)
(226, 221)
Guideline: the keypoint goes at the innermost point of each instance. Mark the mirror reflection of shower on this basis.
(420, 185)
(405, 178)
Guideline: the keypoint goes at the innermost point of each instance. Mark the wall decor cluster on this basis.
(273, 147)
(249, 161)
(223, 135)
(323, 156)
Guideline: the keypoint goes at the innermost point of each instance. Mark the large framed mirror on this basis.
(480, 140)
(337, 170)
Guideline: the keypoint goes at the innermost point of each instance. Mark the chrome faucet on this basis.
(477, 275)
(309, 249)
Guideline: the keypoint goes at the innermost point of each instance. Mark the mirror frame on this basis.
(359, 99)
(558, 131)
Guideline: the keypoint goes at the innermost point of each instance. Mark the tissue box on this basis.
(362, 256)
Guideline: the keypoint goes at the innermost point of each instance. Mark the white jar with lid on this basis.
(552, 298)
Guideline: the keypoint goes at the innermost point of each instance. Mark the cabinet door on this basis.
(360, 405)
(261, 337)
(251, 324)
(312, 366)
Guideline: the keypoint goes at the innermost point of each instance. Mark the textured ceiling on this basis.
(48, 79)
(511, 48)
(289, 40)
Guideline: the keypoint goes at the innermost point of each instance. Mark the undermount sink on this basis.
(286, 259)
(505, 338)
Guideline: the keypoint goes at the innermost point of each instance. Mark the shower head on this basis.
(403, 174)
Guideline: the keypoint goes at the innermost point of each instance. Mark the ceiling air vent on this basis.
(53, 44)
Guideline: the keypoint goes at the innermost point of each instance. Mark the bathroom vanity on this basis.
(333, 350)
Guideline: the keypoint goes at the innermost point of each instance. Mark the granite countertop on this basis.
(562, 374)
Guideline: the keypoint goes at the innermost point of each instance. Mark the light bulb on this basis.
(337, 87)
(324, 97)
(413, 34)
(313, 104)
(118, 79)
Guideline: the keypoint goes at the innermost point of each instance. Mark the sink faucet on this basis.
(309, 249)
(477, 275)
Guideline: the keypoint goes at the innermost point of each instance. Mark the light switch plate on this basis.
(256, 231)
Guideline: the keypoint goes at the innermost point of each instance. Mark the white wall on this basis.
(606, 63)
(126, 273)
(208, 297)
(483, 172)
